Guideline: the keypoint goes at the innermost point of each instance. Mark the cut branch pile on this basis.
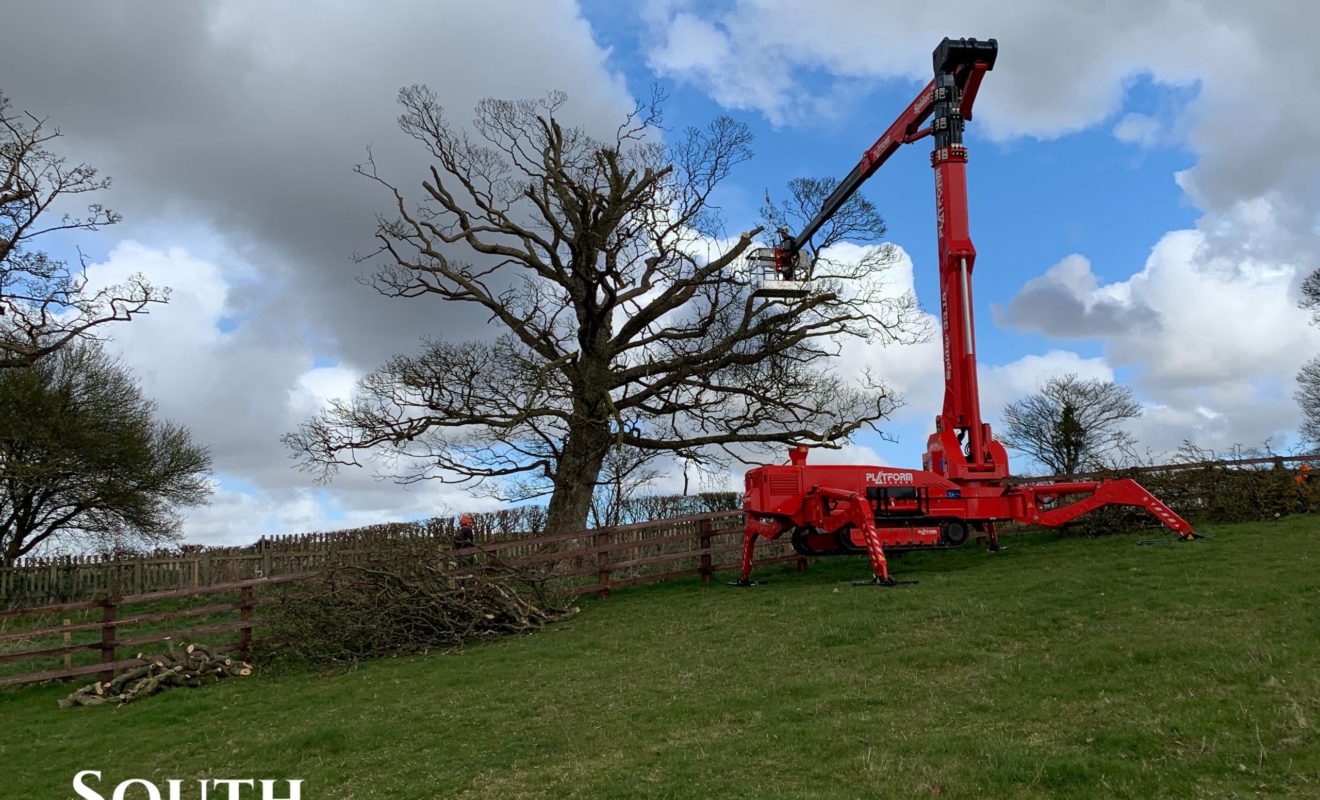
(408, 596)
(191, 665)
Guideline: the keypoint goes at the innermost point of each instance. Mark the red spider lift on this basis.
(962, 489)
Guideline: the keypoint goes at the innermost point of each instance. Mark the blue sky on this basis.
(1143, 207)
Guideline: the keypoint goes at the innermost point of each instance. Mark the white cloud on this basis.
(1214, 344)
(855, 454)
(1142, 130)
(1062, 68)
(248, 117)
(241, 514)
(1217, 341)
(1190, 318)
(319, 385)
(1005, 383)
(913, 371)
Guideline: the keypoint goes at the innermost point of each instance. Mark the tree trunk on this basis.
(13, 549)
(585, 448)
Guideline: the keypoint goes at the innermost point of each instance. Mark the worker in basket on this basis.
(464, 537)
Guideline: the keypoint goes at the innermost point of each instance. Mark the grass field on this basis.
(1058, 668)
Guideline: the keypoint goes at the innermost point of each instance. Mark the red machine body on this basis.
(962, 489)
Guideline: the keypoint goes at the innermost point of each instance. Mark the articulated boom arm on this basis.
(904, 130)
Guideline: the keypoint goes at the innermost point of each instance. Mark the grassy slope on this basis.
(1071, 668)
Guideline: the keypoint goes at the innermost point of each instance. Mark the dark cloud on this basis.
(1065, 303)
(251, 116)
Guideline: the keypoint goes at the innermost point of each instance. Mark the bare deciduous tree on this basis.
(1071, 424)
(1308, 397)
(1311, 295)
(44, 303)
(857, 220)
(621, 318)
(1308, 379)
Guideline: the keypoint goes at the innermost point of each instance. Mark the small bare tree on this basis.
(1308, 379)
(621, 318)
(623, 473)
(1311, 295)
(1071, 424)
(44, 303)
(1308, 397)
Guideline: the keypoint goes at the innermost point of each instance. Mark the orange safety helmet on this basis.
(465, 521)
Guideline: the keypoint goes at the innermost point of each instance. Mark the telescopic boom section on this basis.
(962, 447)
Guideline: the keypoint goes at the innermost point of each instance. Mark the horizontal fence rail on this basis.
(105, 635)
(58, 579)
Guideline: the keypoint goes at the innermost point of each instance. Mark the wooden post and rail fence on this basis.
(584, 562)
(106, 638)
(50, 580)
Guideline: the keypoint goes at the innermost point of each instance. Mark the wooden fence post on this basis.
(703, 544)
(68, 640)
(107, 637)
(245, 616)
(603, 563)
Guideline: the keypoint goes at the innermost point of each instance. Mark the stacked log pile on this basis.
(191, 665)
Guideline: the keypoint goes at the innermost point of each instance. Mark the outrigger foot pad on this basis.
(876, 580)
(1191, 537)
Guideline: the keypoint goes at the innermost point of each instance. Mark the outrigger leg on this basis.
(1123, 492)
(749, 547)
(859, 513)
(769, 528)
(879, 564)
